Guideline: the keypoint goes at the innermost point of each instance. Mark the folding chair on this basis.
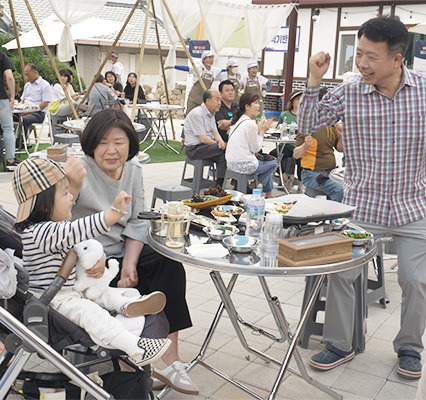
(111, 103)
(84, 110)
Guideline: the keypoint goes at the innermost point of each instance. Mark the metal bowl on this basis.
(219, 232)
(240, 244)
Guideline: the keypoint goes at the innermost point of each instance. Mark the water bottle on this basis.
(255, 214)
(292, 130)
(283, 129)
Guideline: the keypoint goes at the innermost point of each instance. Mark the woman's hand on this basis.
(263, 125)
(122, 200)
(98, 269)
(128, 276)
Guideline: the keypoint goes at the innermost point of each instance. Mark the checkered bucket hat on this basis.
(31, 177)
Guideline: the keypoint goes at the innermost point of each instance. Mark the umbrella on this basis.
(419, 28)
(52, 28)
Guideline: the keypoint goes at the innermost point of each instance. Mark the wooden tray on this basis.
(210, 203)
(287, 262)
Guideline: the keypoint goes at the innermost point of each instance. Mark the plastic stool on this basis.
(316, 328)
(170, 193)
(198, 182)
(242, 179)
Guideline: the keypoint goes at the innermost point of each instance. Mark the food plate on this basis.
(222, 211)
(360, 238)
(219, 232)
(201, 222)
(210, 203)
(281, 208)
(227, 218)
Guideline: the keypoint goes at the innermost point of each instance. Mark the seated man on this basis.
(202, 140)
(317, 154)
(37, 91)
(227, 108)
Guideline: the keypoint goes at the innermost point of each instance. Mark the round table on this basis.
(254, 264)
(157, 123)
(78, 125)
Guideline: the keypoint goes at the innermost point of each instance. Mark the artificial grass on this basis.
(160, 154)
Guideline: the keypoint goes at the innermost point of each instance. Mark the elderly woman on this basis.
(110, 142)
(246, 139)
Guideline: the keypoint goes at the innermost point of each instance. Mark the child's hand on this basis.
(98, 269)
(122, 200)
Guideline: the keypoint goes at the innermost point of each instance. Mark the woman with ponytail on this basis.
(246, 139)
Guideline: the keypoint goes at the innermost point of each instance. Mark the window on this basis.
(346, 52)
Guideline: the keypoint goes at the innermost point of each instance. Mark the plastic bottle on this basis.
(283, 129)
(255, 214)
(292, 130)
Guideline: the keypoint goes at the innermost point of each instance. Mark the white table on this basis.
(78, 125)
(157, 123)
(254, 264)
(269, 137)
(21, 109)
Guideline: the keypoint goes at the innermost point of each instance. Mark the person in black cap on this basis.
(288, 163)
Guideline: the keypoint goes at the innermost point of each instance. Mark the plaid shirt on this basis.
(385, 146)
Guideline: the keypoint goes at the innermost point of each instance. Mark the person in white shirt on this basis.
(59, 96)
(254, 83)
(246, 139)
(117, 67)
(202, 140)
(37, 91)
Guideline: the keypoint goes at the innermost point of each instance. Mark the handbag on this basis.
(261, 156)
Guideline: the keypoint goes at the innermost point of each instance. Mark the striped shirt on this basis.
(384, 143)
(46, 244)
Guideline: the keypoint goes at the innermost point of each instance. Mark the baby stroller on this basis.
(29, 326)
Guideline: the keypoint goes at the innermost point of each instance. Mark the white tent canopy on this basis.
(419, 28)
(52, 29)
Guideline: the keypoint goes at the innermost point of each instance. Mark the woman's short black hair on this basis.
(101, 124)
(65, 72)
(42, 211)
(111, 73)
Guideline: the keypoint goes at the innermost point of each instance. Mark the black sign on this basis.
(196, 47)
(420, 49)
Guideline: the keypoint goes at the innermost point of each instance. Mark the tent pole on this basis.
(110, 51)
(139, 67)
(162, 68)
(183, 44)
(52, 61)
(78, 73)
(18, 42)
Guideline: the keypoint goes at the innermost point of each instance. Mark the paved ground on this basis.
(371, 375)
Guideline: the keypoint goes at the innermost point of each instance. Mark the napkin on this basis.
(207, 250)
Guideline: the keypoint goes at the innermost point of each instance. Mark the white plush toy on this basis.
(88, 253)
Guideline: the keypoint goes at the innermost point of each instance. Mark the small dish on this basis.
(227, 218)
(222, 211)
(237, 196)
(219, 232)
(364, 236)
(340, 224)
(240, 244)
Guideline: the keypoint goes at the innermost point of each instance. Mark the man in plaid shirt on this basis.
(384, 124)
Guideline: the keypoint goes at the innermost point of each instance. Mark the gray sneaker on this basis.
(176, 377)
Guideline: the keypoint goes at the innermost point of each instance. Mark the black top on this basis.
(129, 92)
(5, 64)
(225, 113)
(118, 86)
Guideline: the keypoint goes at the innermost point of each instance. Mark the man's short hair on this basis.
(223, 83)
(387, 29)
(207, 95)
(33, 67)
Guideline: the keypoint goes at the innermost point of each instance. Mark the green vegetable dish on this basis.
(356, 234)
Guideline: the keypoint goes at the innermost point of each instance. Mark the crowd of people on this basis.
(385, 183)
